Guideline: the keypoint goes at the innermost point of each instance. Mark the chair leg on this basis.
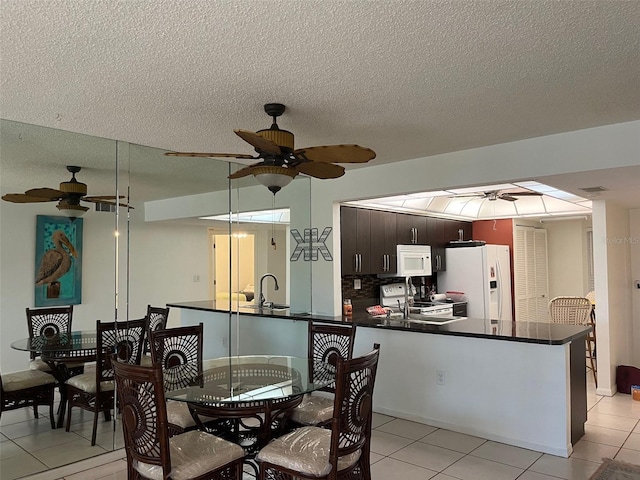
(68, 423)
(35, 410)
(51, 417)
(95, 425)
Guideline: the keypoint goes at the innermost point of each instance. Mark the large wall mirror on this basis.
(191, 236)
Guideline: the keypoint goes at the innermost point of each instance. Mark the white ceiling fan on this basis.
(493, 195)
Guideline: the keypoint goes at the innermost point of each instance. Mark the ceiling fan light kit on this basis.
(280, 162)
(274, 178)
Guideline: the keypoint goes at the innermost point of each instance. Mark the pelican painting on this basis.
(57, 255)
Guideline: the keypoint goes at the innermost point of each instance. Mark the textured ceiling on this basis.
(405, 78)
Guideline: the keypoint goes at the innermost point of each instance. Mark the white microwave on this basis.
(414, 260)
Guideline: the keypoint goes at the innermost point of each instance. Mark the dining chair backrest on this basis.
(179, 353)
(122, 338)
(570, 310)
(141, 394)
(156, 318)
(48, 322)
(353, 404)
(328, 343)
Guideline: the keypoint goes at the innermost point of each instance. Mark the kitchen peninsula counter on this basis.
(519, 383)
(528, 332)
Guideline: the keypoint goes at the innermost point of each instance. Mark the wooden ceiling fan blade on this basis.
(261, 144)
(104, 200)
(336, 154)
(320, 170)
(209, 155)
(50, 193)
(101, 198)
(24, 198)
(508, 198)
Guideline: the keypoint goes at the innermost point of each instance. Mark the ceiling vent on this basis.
(105, 207)
(593, 189)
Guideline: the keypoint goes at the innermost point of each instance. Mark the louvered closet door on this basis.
(531, 274)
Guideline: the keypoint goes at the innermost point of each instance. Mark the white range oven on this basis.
(392, 296)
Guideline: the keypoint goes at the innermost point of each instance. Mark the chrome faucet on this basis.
(406, 309)
(261, 298)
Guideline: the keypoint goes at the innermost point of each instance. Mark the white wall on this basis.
(612, 267)
(161, 271)
(566, 246)
(634, 230)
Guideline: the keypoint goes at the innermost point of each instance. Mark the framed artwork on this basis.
(58, 275)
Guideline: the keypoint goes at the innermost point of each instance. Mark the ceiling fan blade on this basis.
(49, 193)
(320, 170)
(104, 200)
(101, 198)
(209, 155)
(336, 154)
(468, 195)
(524, 194)
(24, 198)
(261, 144)
(507, 197)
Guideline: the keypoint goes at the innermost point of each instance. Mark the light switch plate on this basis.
(357, 284)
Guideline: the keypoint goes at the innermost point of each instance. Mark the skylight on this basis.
(484, 202)
(279, 216)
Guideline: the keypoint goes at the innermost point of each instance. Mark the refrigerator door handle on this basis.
(499, 272)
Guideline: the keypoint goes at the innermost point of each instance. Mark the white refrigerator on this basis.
(483, 273)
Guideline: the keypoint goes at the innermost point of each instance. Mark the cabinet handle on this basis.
(359, 269)
(416, 230)
(384, 263)
(355, 262)
(387, 260)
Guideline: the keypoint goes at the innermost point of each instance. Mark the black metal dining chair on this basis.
(341, 452)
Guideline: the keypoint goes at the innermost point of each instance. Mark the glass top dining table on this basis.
(248, 378)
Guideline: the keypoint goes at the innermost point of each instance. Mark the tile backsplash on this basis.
(370, 286)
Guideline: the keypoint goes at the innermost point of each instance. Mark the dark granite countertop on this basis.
(527, 332)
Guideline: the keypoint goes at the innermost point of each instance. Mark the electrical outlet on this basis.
(225, 342)
(440, 377)
(196, 278)
(357, 284)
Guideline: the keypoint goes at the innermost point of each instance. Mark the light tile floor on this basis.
(400, 449)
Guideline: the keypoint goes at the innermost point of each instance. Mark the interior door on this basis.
(531, 274)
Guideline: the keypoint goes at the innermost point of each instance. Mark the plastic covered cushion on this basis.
(26, 379)
(193, 454)
(87, 383)
(39, 364)
(313, 410)
(178, 413)
(305, 450)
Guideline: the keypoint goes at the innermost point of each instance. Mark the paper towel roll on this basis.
(438, 297)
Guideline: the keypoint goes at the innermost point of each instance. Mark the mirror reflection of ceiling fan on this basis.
(69, 196)
(493, 195)
(280, 162)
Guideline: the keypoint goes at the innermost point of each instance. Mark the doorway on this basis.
(231, 266)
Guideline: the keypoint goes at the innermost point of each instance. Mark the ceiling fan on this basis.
(69, 196)
(280, 162)
(493, 195)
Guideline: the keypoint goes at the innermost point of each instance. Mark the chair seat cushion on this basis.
(145, 361)
(39, 364)
(178, 413)
(87, 383)
(313, 410)
(193, 454)
(12, 382)
(305, 450)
